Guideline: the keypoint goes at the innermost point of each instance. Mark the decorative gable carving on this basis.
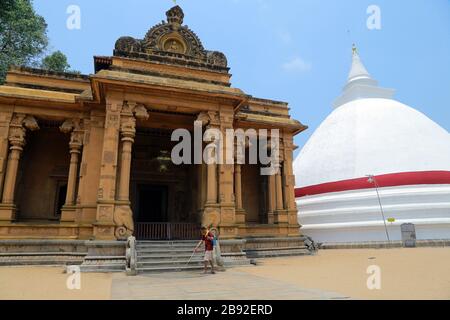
(170, 40)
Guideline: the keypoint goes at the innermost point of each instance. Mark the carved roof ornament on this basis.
(173, 43)
(175, 16)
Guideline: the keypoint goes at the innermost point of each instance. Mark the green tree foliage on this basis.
(57, 61)
(23, 34)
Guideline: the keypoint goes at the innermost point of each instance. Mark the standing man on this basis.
(207, 239)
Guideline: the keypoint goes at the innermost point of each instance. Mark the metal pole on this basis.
(381, 207)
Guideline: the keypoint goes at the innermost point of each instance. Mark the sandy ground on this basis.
(49, 283)
(422, 273)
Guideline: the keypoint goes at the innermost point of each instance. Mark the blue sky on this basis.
(298, 51)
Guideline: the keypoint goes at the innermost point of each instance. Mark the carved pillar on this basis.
(89, 171)
(228, 221)
(123, 215)
(75, 151)
(238, 186)
(240, 159)
(211, 191)
(5, 121)
(17, 133)
(271, 198)
(128, 131)
(73, 127)
(279, 190)
(16, 148)
(289, 186)
(211, 214)
(105, 226)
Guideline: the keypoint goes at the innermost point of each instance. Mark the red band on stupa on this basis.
(386, 180)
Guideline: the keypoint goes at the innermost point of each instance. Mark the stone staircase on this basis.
(40, 258)
(280, 247)
(164, 256)
(260, 253)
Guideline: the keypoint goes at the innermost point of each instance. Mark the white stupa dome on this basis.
(369, 133)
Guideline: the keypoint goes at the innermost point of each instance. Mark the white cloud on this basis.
(297, 64)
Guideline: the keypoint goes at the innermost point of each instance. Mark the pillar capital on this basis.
(76, 141)
(134, 109)
(128, 128)
(18, 128)
(214, 119)
(75, 128)
(203, 117)
(17, 138)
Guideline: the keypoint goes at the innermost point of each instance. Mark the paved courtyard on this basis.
(421, 273)
(230, 285)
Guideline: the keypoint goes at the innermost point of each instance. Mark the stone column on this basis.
(5, 121)
(228, 220)
(75, 151)
(16, 148)
(238, 186)
(123, 215)
(89, 172)
(272, 198)
(128, 134)
(239, 155)
(289, 186)
(211, 191)
(212, 212)
(17, 134)
(105, 225)
(279, 190)
(72, 126)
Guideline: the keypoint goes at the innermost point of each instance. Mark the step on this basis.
(162, 251)
(166, 241)
(168, 269)
(279, 248)
(275, 253)
(177, 245)
(102, 258)
(108, 268)
(164, 245)
(43, 254)
(169, 265)
(167, 248)
(168, 257)
(41, 261)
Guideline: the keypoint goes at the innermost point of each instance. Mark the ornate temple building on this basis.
(89, 157)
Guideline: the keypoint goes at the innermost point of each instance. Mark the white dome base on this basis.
(355, 216)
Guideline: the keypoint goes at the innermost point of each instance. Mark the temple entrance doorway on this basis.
(153, 202)
(163, 195)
